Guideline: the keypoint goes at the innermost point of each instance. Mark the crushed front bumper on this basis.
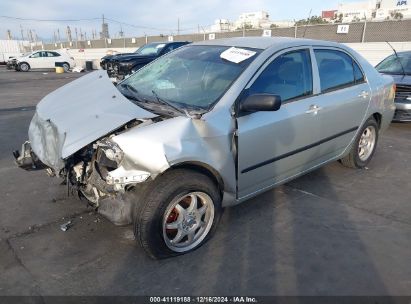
(11, 65)
(26, 159)
(402, 111)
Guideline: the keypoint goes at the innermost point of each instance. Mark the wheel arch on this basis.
(203, 168)
(378, 118)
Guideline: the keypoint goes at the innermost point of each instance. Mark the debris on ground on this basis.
(78, 69)
(66, 226)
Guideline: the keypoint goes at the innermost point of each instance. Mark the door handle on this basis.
(364, 94)
(313, 109)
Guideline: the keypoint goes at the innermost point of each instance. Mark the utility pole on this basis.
(31, 36)
(22, 32)
(68, 33)
(35, 37)
(178, 26)
(121, 31)
(365, 26)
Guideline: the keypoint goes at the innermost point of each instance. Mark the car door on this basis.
(35, 60)
(51, 59)
(273, 146)
(343, 101)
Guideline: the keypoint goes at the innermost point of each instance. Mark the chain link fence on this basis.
(393, 31)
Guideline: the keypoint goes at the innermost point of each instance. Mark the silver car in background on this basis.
(207, 126)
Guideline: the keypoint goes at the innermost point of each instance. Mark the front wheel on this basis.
(24, 67)
(178, 213)
(363, 147)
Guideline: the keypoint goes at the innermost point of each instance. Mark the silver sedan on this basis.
(207, 126)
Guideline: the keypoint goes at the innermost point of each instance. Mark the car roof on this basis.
(166, 42)
(404, 53)
(266, 42)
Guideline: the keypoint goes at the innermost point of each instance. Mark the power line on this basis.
(48, 20)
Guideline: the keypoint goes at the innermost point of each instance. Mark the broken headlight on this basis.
(109, 154)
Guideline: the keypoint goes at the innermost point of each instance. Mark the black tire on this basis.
(152, 206)
(23, 67)
(66, 66)
(353, 159)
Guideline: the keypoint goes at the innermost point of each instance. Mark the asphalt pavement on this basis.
(335, 231)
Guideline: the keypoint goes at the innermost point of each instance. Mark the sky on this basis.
(138, 18)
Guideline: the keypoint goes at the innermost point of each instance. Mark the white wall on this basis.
(374, 52)
(11, 48)
(94, 55)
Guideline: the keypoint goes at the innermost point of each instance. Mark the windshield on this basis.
(391, 65)
(192, 77)
(151, 49)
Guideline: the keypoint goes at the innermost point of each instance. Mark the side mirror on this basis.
(261, 102)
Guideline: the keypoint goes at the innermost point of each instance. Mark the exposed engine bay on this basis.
(96, 171)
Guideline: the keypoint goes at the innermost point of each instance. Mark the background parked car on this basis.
(105, 62)
(122, 66)
(399, 67)
(44, 60)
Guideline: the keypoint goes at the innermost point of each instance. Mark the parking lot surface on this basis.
(335, 231)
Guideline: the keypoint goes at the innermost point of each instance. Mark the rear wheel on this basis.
(364, 146)
(178, 213)
(24, 67)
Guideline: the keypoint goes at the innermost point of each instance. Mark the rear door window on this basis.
(53, 54)
(337, 70)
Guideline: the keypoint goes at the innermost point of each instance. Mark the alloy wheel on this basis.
(187, 221)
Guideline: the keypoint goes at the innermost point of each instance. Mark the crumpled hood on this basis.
(76, 115)
(135, 57)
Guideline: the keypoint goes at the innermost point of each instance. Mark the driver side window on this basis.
(36, 55)
(289, 76)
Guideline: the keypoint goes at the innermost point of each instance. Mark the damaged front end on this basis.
(96, 172)
(26, 159)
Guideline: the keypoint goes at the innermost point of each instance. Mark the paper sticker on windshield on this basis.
(236, 55)
(160, 45)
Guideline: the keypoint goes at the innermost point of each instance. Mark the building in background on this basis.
(221, 25)
(104, 34)
(373, 10)
(329, 15)
(252, 20)
(387, 9)
(256, 20)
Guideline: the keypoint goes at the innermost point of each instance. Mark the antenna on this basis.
(308, 22)
(398, 58)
